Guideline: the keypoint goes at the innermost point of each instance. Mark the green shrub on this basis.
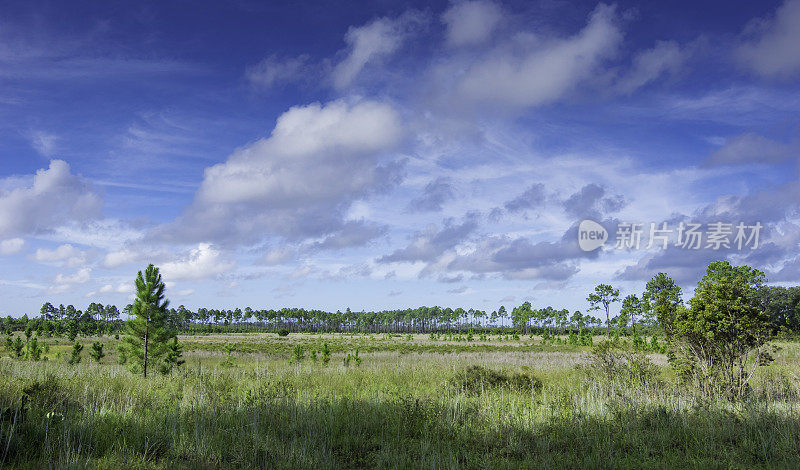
(614, 361)
(283, 332)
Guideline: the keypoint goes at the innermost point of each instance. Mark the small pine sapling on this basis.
(326, 354)
(96, 352)
(75, 357)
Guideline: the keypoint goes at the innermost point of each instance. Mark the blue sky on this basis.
(382, 155)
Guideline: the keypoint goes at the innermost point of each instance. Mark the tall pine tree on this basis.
(147, 336)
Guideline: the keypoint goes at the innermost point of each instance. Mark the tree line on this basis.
(780, 304)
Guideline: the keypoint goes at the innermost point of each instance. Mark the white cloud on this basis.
(122, 288)
(115, 259)
(11, 246)
(300, 180)
(63, 282)
(55, 198)
(541, 71)
(471, 22)
(752, 148)
(43, 143)
(648, 65)
(203, 262)
(109, 234)
(184, 292)
(772, 51)
(273, 71)
(278, 256)
(66, 255)
(377, 39)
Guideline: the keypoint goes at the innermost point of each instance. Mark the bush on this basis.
(283, 332)
(476, 379)
(613, 361)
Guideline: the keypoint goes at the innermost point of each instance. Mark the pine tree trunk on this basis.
(146, 337)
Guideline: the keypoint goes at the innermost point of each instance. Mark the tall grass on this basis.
(395, 411)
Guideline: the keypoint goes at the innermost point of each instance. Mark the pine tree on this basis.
(97, 351)
(75, 357)
(326, 354)
(34, 351)
(147, 335)
(16, 348)
(174, 356)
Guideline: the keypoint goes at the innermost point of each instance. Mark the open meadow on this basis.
(404, 401)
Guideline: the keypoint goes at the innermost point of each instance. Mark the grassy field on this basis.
(409, 404)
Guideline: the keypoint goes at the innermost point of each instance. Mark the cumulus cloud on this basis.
(354, 233)
(771, 49)
(458, 290)
(64, 282)
(122, 288)
(277, 256)
(299, 181)
(752, 148)
(56, 197)
(435, 193)
(66, 255)
(203, 262)
(532, 198)
(274, 71)
(778, 240)
(373, 41)
(430, 243)
(521, 258)
(115, 259)
(451, 279)
(11, 246)
(471, 22)
(590, 202)
(541, 70)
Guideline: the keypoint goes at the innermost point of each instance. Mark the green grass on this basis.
(394, 411)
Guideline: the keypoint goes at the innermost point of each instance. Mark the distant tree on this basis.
(632, 309)
(95, 311)
(782, 305)
(111, 313)
(521, 316)
(578, 321)
(48, 311)
(601, 299)
(146, 335)
(662, 300)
